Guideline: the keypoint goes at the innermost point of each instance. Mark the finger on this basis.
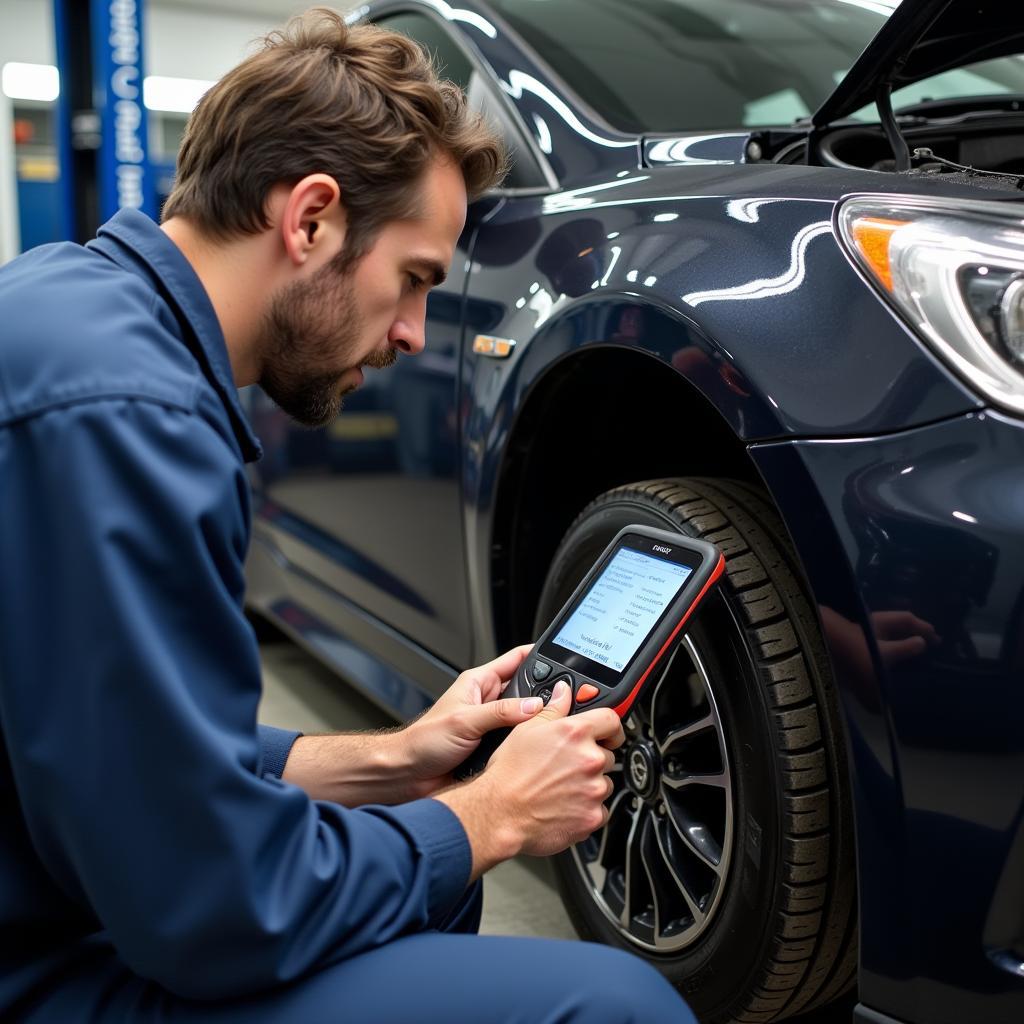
(496, 714)
(560, 703)
(609, 760)
(605, 725)
(504, 667)
(897, 625)
(490, 680)
(928, 631)
(895, 651)
(611, 787)
(614, 741)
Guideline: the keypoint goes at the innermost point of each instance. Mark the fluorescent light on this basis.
(31, 82)
(173, 95)
(42, 82)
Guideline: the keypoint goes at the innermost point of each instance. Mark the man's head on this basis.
(337, 152)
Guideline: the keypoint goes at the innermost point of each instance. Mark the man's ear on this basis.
(313, 220)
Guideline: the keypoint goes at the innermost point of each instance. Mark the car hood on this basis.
(922, 38)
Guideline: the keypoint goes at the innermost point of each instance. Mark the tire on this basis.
(734, 875)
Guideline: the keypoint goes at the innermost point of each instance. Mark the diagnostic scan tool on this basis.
(616, 627)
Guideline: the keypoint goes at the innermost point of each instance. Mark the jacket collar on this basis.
(136, 243)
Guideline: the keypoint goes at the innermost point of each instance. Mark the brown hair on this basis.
(359, 103)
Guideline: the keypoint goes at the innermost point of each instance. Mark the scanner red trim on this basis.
(623, 709)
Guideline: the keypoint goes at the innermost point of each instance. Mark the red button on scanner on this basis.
(586, 692)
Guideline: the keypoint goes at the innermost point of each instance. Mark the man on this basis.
(161, 858)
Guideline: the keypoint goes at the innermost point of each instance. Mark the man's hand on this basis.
(444, 736)
(545, 786)
(397, 765)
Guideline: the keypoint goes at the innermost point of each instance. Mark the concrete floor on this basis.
(519, 897)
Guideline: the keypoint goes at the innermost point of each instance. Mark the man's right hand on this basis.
(544, 787)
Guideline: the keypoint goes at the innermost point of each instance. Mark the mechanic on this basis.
(161, 856)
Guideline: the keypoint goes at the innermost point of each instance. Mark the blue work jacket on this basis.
(142, 819)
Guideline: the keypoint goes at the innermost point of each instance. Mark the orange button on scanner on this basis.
(586, 692)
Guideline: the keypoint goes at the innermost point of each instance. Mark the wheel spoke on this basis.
(619, 801)
(665, 673)
(631, 869)
(699, 841)
(684, 889)
(684, 732)
(648, 854)
(720, 780)
(639, 718)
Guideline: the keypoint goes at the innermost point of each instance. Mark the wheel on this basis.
(727, 859)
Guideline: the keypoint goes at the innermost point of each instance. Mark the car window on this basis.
(453, 63)
(663, 66)
(678, 65)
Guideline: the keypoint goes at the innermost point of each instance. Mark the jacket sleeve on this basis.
(129, 692)
(275, 746)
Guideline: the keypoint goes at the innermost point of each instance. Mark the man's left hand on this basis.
(444, 736)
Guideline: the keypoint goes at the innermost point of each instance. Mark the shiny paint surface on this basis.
(719, 286)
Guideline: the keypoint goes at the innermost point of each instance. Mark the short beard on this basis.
(304, 340)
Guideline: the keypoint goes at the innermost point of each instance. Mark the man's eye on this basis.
(416, 282)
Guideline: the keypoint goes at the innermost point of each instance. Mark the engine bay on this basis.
(982, 146)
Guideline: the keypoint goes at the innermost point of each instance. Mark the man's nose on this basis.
(408, 336)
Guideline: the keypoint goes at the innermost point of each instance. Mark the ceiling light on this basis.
(31, 82)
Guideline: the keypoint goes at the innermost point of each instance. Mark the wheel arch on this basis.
(602, 415)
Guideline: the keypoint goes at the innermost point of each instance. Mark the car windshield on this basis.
(680, 65)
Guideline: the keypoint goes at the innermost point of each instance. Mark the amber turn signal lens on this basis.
(871, 236)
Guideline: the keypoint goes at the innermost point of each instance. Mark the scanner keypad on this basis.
(545, 689)
(540, 671)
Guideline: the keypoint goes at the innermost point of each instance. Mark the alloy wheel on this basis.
(658, 867)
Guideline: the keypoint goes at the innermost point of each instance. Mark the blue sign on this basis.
(124, 175)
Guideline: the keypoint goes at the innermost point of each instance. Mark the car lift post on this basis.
(101, 118)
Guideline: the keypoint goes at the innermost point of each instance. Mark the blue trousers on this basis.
(447, 976)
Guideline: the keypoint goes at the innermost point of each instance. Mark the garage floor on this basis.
(519, 898)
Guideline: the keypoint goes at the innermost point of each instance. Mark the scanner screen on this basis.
(622, 607)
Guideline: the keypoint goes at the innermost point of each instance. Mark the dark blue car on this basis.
(758, 275)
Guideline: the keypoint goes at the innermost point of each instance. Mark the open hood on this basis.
(922, 38)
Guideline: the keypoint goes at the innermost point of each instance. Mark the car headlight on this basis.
(955, 271)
